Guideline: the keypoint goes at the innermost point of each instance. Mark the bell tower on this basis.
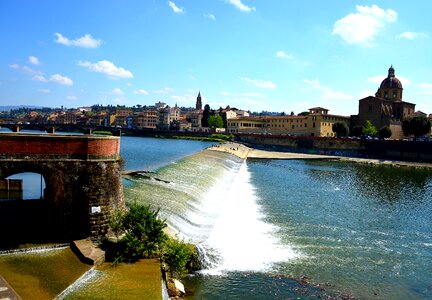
(198, 105)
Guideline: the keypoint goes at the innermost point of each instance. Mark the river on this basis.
(354, 229)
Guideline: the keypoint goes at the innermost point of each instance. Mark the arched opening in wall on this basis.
(26, 215)
(25, 186)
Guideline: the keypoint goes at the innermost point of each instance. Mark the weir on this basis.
(210, 202)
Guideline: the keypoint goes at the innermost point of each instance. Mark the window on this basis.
(370, 107)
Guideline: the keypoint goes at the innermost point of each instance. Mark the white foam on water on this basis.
(241, 238)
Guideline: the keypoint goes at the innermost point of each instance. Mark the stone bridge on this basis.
(82, 176)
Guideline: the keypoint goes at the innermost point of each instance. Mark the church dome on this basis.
(391, 81)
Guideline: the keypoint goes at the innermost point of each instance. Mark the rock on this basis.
(179, 286)
(88, 252)
(175, 288)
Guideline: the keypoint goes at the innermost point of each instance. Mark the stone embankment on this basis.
(245, 152)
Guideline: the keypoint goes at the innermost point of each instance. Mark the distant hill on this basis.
(8, 108)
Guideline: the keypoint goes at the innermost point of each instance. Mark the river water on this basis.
(359, 230)
(353, 229)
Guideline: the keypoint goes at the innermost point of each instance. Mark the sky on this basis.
(272, 55)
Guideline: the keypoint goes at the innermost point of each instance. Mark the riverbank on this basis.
(246, 152)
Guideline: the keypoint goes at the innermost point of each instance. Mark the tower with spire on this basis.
(198, 105)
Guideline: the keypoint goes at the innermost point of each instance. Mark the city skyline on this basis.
(273, 56)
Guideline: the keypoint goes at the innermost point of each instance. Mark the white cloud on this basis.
(424, 88)
(117, 91)
(326, 92)
(379, 78)
(24, 69)
(141, 92)
(210, 16)
(72, 97)
(107, 68)
(226, 94)
(376, 79)
(283, 55)
(119, 100)
(44, 91)
(164, 91)
(86, 41)
(175, 8)
(33, 60)
(239, 5)
(408, 35)
(363, 26)
(366, 93)
(56, 78)
(63, 80)
(184, 100)
(254, 94)
(262, 84)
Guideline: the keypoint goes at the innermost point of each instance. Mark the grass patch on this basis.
(102, 132)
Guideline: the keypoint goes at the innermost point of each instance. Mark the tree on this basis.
(304, 113)
(206, 115)
(384, 132)
(215, 121)
(406, 127)
(369, 129)
(416, 126)
(420, 126)
(356, 131)
(340, 128)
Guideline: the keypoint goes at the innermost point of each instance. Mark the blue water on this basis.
(364, 229)
(150, 154)
(353, 229)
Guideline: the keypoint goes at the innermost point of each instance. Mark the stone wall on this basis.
(82, 177)
(386, 149)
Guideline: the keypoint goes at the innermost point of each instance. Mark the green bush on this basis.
(143, 233)
(140, 234)
(177, 255)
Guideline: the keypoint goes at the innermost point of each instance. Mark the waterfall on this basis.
(209, 200)
(35, 249)
(86, 277)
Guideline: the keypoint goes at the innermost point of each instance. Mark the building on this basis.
(246, 125)
(317, 123)
(164, 118)
(386, 108)
(198, 104)
(147, 119)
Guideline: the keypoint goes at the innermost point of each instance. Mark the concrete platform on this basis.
(88, 252)
(6, 291)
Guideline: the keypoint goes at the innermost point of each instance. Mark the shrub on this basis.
(177, 255)
(143, 233)
(385, 132)
(144, 238)
(369, 129)
(340, 128)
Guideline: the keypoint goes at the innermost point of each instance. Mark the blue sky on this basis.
(272, 55)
